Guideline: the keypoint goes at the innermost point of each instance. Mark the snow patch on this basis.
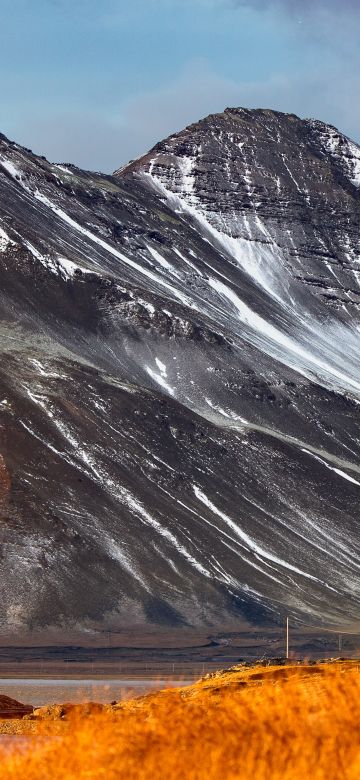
(156, 256)
(68, 268)
(5, 241)
(160, 380)
(161, 366)
(42, 371)
(66, 170)
(230, 415)
(332, 468)
(57, 265)
(148, 306)
(11, 169)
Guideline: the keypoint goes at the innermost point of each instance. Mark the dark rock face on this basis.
(12, 709)
(180, 380)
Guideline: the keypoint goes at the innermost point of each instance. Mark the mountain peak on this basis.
(253, 112)
(245, 164)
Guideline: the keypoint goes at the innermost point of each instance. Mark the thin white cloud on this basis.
(299, 6)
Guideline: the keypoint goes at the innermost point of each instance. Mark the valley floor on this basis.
(262, 722)
(151, 653)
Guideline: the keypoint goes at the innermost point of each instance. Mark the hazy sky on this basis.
(97, 82)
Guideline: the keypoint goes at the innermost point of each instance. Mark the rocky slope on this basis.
(10, 709)
(180, 380)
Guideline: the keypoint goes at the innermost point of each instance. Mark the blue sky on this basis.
(97, 82)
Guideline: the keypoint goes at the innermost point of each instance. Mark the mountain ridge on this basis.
(180, 380)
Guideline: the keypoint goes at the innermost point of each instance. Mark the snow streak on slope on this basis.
(84, 231)
(259, 551)
(337, 370)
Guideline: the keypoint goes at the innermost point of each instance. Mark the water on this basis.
(40, 692)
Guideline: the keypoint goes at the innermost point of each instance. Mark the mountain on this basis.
(180, 380)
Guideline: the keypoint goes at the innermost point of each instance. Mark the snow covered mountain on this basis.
(180, 380)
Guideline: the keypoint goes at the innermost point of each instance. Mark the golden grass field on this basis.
(263, 723)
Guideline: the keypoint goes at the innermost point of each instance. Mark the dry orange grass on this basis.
(300, 727)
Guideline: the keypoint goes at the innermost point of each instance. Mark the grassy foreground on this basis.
(264, 723)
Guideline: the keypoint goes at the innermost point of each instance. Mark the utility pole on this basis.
(287, 639)
(340, 643)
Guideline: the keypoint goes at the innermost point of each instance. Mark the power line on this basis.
(332, 630)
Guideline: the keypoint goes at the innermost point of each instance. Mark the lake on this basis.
(39, 692)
